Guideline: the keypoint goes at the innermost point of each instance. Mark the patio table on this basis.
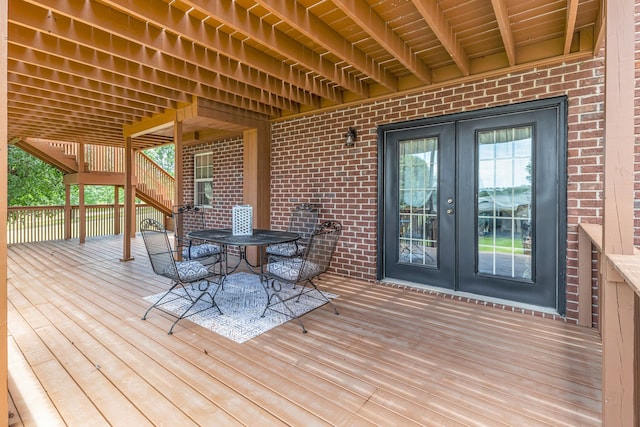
(260, 238)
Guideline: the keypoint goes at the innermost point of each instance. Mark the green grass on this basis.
(502, 244)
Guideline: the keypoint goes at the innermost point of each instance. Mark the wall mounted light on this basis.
(351, 137)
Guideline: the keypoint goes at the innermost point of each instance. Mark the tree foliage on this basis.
(32, 182)
(164, 156)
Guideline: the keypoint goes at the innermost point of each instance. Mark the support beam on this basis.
(67, 212)
(129, 200)
(82, 215)
(116, 210)
(179, 164)
(257, 178)
(619, 382)
(4, 407)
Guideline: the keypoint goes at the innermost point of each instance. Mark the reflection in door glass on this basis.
(418, 192)
(505, 229)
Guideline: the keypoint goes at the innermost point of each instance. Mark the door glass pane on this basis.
(418, 207)
(504, 202)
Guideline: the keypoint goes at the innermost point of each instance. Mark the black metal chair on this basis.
(303, 220)
(188, 218)
(302, 270)
(192, 277)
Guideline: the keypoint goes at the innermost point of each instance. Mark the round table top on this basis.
(258, 238)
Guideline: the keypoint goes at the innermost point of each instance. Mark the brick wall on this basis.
(227, 179)
(311, 164)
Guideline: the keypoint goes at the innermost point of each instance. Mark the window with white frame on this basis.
(203, 179)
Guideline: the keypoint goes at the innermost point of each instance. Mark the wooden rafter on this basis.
(219, 43)
(275, 58)
(439, 24)
(572, 11)
(89, 33)
(244, 22)
(82, 99)
(504, 24)
(362, 14)
(312, 27)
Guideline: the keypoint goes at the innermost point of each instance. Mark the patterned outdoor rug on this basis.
(242, 302)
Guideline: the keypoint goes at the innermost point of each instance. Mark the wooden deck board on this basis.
(392, 357)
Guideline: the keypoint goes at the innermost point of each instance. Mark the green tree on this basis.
(32, 182)
(164, 156)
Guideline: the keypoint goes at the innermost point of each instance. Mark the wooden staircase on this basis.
(154, 185)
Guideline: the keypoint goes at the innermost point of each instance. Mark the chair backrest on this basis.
(187, 218)
(303, 220)
(322, 244)
(158, 248)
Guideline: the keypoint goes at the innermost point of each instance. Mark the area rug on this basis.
(242, 302)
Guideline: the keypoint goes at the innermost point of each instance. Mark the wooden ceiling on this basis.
(94, 70)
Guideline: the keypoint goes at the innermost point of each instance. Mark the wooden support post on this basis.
(257, 179)
(179, 164)
(82, 215)
(116, 210)
(178, 198)
(585, 271)
(129, 200)
(619, 381)
(4, 12)
(67, 212)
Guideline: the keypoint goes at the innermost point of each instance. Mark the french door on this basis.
(475, 202)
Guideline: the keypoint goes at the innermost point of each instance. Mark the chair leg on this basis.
(194, 302)
(155, 304)
(315, 288)
(270, 303)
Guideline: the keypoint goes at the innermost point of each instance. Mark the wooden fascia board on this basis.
(225, 113)
(570, 25)
(96, 178)
(150, 125)
(238, 18)
(504, 24)
(439, 24)
(600, 27)
(297, 16)
(194, 30)
(364, 16)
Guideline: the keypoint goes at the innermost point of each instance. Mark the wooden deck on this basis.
(79, 355)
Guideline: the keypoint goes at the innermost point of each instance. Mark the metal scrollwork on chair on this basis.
(302, 270)
(194, 277)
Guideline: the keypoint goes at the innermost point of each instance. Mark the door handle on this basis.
(450, 211)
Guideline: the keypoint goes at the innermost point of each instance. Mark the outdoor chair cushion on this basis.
(187, 271)
(289, 269)
(200, 251)
(288, 249)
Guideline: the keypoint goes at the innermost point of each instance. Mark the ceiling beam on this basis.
(239, 19)
(113, 70)
(504, 24)
(88, 33)
(25, 84)
(70, 103)
(297, 16)
(570, 26)
(194, 30)
(438, 23)
(366, 18)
